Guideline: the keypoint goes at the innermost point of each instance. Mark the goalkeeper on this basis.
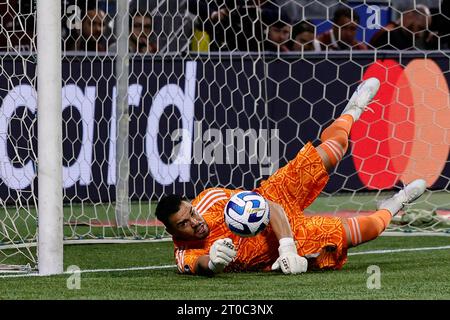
(292, 242)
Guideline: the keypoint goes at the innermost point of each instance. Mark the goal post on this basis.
(122, 115)
(49, 119)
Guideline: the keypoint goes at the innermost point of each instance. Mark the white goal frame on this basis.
(50, 199)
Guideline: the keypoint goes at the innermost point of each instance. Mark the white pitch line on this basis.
(398, 250)
(92, 271)
(174, 266)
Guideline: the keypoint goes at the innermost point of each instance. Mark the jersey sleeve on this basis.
(210, 204)
(212, 199)
(186, 259)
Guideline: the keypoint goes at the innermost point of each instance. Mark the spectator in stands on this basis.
(91, 35)
(209, 33)
(140, 33)
(226, 25)
(442, 25)
(342, 36)
(277, 29)
(437, 35)
(93, 28)
(278, 36)
(303, 36)
(409, 32)
(17, 25)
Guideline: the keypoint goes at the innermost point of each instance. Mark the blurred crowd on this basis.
(268, 26)
(230, 25)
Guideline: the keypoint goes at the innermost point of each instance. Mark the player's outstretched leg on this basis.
(407, 195)
(365, 228)
(335, 137)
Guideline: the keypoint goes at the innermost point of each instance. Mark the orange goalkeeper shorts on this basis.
(295, 186)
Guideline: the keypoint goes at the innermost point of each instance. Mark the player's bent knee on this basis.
(331, 153)
(325, 158)
(363, 229)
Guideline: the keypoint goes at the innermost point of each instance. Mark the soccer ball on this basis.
(247, 213)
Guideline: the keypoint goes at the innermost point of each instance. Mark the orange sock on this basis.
(366, 228)
(335, 138)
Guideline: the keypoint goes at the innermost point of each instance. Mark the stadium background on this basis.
(299, 97)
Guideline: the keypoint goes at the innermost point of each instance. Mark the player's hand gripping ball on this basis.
(247, 213)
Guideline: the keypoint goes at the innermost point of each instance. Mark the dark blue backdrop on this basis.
(296, 96)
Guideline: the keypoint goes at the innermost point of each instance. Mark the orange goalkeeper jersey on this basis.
(253, 253)
(294, 187)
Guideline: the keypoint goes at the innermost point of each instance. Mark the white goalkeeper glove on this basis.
(289, 261)
(222, 252)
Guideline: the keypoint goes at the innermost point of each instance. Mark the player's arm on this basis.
(202, 266)
(221, 253)
(279, 221)
(289, 261)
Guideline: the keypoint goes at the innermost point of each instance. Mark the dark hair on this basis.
(418, 10)
(133, 13)
(280, 24)
(272, 14)
(345, 12)
(168, 205)
(303, 26)
(88, 5)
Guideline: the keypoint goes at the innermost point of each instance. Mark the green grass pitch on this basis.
(404, 275)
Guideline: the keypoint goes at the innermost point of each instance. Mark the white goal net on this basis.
(178, 96)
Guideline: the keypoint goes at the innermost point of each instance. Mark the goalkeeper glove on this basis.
(222, 252)
(289, 261)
